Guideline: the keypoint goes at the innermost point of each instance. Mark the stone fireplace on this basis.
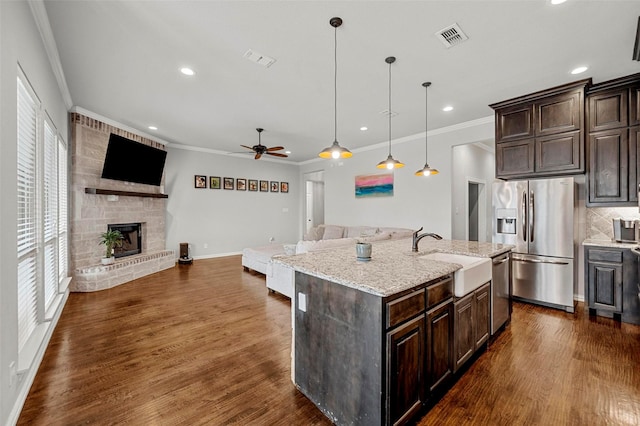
(97, 203)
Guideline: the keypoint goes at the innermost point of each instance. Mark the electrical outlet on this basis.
(302, 302)
(205, 245)
(13, 374)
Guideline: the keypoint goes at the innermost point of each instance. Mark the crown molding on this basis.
(229, 154)
(41, 18)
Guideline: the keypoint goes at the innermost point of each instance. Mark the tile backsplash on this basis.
(599, 220)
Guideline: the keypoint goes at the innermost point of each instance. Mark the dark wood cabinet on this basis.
(541, 134)
(472, 324)
(612, 119)
(440, 346)
(405, 363)
(612, 286)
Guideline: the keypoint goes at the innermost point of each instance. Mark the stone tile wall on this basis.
(90, 213)
(599, 220)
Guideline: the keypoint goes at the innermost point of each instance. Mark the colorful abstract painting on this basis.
(380, 185)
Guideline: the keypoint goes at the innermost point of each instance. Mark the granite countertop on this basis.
(609, 243)
(393, 267)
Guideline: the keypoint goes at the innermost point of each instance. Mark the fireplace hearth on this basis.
(132, 241)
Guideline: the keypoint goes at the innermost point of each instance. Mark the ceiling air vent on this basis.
(451, 35)
(259, 58)
(387, 113)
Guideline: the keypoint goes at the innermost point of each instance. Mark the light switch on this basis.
(302, 302)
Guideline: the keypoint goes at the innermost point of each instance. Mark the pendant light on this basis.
(335, 150)
(426, 170)
(390, 163)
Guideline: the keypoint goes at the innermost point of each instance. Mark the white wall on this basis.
(228, 221)
(470, 162)
(20, 42)
(417, 201)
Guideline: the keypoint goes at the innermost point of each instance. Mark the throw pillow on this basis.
(332, 232)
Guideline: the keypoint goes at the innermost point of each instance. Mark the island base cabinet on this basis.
(440, 344)
(472, 324)
(405, 371)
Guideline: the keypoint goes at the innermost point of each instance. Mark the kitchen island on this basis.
(373, 341)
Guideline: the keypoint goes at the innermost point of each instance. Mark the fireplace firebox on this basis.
(132, 241)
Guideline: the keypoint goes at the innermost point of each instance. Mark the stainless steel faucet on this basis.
(417, 238)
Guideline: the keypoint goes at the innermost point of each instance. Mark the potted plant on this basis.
(110, 239)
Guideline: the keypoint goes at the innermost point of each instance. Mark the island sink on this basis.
(475, 271)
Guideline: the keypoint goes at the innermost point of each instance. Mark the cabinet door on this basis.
(514, 122)
(608, 110)
(559, 114)
(634, 163)
(440, 345)
(634, 106)
(405, 370)
(464, 338)
(608, 167)
(605, 286)
(558, 153)
(481, 315)
(515, 158)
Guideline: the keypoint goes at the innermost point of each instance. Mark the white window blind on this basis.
(50, 214)
(62, 210)
(27, 214)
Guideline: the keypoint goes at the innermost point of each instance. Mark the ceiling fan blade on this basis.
(258, 155)
(248, 147)
(277, 154)
(275, 148)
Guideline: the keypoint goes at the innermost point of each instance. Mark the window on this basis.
(42, 218)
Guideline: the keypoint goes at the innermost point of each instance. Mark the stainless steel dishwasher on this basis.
(500, 292)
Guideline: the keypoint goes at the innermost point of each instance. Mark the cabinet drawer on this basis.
(405, 307)
(439, 292)
(605, 255)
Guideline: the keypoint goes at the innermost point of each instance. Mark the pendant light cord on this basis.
(426, 114)
(335, 83)
(390, 108)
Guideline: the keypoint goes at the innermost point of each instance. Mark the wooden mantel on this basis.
(98, 191)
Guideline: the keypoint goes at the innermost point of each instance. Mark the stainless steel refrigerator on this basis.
(537, 216)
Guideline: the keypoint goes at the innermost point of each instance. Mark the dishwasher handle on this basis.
(550, 262)
(500, 262)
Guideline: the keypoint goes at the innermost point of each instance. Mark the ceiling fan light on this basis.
(335, 151)
(390, 163)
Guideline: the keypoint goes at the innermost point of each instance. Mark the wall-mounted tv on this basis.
(132, 161)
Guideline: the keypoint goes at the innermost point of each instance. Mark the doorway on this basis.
(476, 210)
(314, 199)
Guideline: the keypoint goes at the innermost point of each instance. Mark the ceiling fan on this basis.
(261, 149)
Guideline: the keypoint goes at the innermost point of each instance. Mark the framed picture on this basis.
(264, 186)
(253, 185)
(284, 186)
(241, 184)
(200, 181)
(379, 185)
(214, 182)
(228, 183)
(275, 186)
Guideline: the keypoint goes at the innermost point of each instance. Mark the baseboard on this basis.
(212, 256)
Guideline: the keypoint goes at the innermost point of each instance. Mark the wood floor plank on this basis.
(207, 344)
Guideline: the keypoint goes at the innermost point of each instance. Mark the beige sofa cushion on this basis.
(309, 246)
(314, 234)
(360, 231)
(332, 232)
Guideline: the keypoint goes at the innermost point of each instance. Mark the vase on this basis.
(107, 260)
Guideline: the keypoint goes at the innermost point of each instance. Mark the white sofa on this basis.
(280, 278)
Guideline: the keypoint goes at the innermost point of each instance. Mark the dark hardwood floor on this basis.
(206, 344)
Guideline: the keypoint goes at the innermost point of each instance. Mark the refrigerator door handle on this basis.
(532, 216)
(523, 219)
(551, 262)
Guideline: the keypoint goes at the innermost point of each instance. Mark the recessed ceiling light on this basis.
(287, 152)
(363, 128)
(187, 71)
(447, 108)
(554, 2)
(579, 70)
(153, 128)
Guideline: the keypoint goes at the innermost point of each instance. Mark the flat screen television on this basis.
(133, 161)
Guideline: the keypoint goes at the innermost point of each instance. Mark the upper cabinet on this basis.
(613, 122)
(541, 134)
